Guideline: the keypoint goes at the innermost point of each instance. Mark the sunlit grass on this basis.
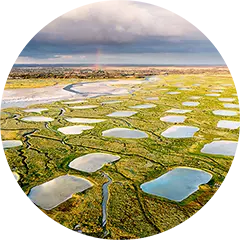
(46, 153)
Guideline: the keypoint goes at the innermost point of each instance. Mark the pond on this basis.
(227, 99)
(111, 102)
(37, 119)
(177, 184)
(223, 147)
(190, 104)
(173, 93)
(142, 106)
(216, 90)
(225, 113)
(124, 133)
(180, 132)
(213, 95)
(11, 143)
(173, 119)
(84, 120)
(84, 107)
(122, 114)
(58, 190)
(228, 124)
(180, 111)
(72, 130)
(231, 105)
(92, 162)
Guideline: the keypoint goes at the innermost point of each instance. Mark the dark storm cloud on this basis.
(147, 45)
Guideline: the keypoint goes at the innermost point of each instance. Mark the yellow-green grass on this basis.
(46, 153)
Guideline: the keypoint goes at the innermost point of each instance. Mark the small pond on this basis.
(177, 184)
(84, 120)
(180, 111)
(225, 113)
(173, 119)
(228, 124)
(122, 114)
(10, 143)
(92, 162)
(213, 95)
(231, 105)
(84, 107)
(180, 132)
(124, 133)
(190, 104)
(37, 119)
(173, 93)
(72, 130)
(58, 190)
(223, 147)
(142, 106)
(226, 99)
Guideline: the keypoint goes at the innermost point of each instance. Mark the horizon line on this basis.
(117, 65)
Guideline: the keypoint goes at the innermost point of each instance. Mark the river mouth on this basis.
(24, 97)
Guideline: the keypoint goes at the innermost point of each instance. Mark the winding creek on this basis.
(105, 195)
(62, 111)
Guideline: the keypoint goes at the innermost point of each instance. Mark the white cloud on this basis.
(117, 22)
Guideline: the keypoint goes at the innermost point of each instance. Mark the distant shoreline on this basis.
(119, 65)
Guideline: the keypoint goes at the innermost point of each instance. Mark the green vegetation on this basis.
(46, 153)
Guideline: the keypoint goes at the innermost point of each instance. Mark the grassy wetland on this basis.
(46, 153)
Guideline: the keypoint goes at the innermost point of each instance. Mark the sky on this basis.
(120, 32)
